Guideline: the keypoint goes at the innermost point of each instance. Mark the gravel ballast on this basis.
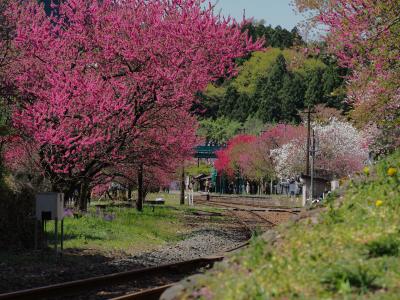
(208, 235)
(200, 243)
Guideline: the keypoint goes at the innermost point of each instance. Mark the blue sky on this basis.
(274, 12)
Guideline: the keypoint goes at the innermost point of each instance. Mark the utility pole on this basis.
(308, 140)
(312, 166)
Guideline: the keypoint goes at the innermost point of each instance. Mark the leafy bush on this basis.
(388, 245)
(348, 278)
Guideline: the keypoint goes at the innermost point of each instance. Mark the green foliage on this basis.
(202, 168)
(350, 251)
(277, 37)
(388, 245)
(292, 97)
(275, 85)
(235, 105)
(255, 68)
(344, 279)
(270, 105)
(314, 93)
(218, 131)
(253, 126)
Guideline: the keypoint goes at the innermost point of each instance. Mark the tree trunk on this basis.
(271, 188)
(183, 186)
(83, 197)
(139, 202)
(129, 193)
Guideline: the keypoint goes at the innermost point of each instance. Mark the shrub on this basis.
(16, 218)
(346, 278)
(388, 245)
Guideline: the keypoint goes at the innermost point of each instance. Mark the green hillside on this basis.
(274, 85)
(351, 250)
(261, 63)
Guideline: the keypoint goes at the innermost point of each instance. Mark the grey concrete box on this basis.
(50, 206)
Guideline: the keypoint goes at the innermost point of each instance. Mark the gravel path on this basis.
(200, 243)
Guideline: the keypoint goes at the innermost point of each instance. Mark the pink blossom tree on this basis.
(364, 35)
(253, 157)
(229, 160)
(99, 75)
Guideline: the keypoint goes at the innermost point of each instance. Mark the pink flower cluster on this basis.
(109, 84)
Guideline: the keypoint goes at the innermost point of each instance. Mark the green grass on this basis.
(130, 231)
(353, 252)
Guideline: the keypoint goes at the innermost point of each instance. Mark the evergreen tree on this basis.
(270, 106)
(277, 37)
(229, 102)
(207, 106)
(314, 92)
(292, 97)
(296, 37)
(332, 82)
(242, 109)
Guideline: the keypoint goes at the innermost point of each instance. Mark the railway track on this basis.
(246, 206)
(135, 284)
(87, 288)
(155, 293)
(253, 217)
(124, 285)
(250, 219)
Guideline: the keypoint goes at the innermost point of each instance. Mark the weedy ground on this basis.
(352, 251)
(116, 240)
(125, 229)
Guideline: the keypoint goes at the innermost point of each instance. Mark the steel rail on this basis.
(150, 294)
(257, 208)
(232, 207)
(72, 287)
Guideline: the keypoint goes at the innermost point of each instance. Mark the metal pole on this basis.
(312, 166)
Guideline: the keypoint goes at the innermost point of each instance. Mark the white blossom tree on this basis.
(341, 150)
